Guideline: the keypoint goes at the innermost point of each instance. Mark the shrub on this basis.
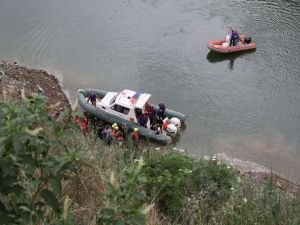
(167, 181)
(33, 160)
(210, 185)
(125, 198)
(174, 179)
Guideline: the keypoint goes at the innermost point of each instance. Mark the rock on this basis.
(278, 184)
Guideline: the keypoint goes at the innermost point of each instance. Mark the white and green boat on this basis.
(122, 108)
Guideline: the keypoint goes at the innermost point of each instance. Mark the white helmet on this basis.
(171, 130)
(175, 121)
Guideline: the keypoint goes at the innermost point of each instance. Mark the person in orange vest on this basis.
(114, 130)
(135, 137)
(117, 134)
(166, 123)
(76, 120)
(84, 126)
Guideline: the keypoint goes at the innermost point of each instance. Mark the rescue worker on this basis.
(93, 99)
(114, 125)
(161, 111)
(234, 38)
(143, 120)
(135, 137)
(114, 130)
(155, 125)
(149, 108)
(165, 124)
(117, 134)
(76, 120)
(108, 138)
(107, 135)
(104, 132)
(84, 126)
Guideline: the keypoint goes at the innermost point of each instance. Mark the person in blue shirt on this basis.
(92, 98)
(234, 38)
(143, 120)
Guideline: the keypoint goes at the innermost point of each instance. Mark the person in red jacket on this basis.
(117, 134)
(135, 136)
(84, 126)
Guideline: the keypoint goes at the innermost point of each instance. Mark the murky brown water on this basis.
(247, 101)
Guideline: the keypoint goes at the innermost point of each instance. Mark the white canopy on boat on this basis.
(142, 100)
(129, 98)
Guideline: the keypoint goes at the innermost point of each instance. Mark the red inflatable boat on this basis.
(222, 47)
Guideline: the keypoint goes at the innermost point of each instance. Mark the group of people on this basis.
(117, 134)
(110, 134)
(157, 119)
(154, 119)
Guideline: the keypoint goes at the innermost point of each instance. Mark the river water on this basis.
(246, 105)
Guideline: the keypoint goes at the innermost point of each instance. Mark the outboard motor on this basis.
(247, 40)
(171, 130)
(175, 121)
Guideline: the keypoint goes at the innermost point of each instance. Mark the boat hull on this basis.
(82, 94)
(216, 46)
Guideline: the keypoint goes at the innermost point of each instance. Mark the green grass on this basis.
(57, 176)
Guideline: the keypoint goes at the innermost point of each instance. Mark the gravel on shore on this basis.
(15, 78)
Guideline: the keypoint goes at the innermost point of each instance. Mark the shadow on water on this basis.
(214, 57)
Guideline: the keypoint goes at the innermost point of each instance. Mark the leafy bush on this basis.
(33, 160)
(125, 198)
(167, 181)
(173, 179)
(210, 187)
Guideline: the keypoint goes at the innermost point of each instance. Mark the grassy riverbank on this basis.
(51, 174)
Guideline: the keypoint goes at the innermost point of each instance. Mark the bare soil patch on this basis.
(14, 78)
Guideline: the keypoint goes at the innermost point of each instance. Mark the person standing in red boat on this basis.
(234, 38)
